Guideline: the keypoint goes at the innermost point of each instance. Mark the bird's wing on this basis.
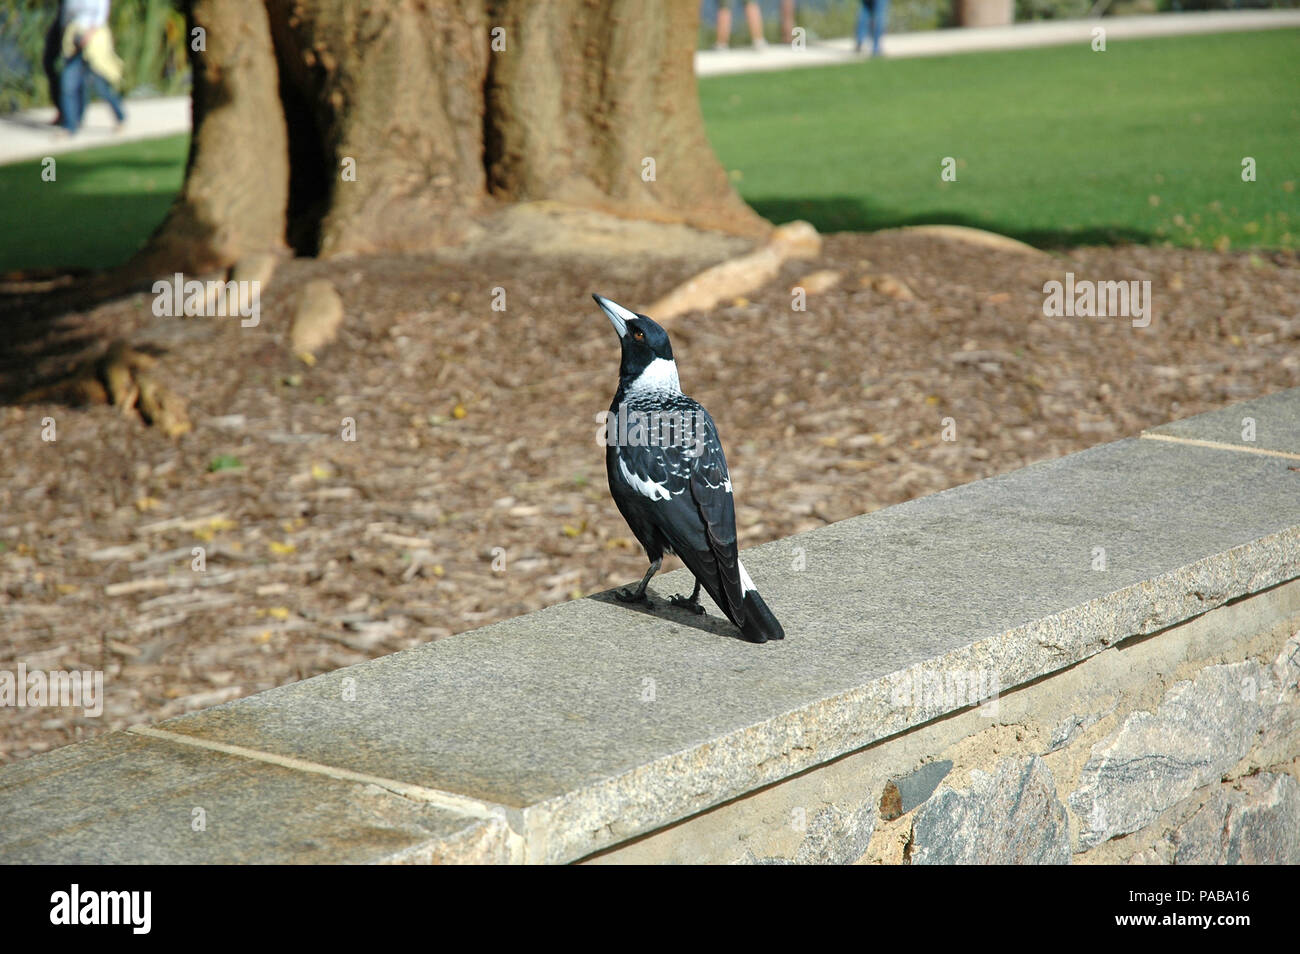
(684, 489)
(699, 516)
(711, 492)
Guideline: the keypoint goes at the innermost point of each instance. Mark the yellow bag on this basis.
(97, 51)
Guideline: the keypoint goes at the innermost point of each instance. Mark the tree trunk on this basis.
(596, 105)
(344, 127)
(237, 179)
(393, 123)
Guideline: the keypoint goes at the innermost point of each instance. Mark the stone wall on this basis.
(1186, 742)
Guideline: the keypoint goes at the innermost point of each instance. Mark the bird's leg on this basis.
(638, 595)
(691, 602)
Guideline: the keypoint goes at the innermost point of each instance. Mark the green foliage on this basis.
(1052, 9)
(224, 462)
(1166, 5)
(839, 18)
(825, 19)
(149, 36)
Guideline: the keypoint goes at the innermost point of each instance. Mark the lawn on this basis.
(1057, 146)
(101, 206)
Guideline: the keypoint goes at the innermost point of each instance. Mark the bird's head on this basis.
(644, 343)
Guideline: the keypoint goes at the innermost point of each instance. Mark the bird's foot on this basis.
(686, 602)
(629, 595)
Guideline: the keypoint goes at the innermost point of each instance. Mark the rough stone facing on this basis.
(1010, 817)
(1200, 730)
(1256, 821)
(834, 836)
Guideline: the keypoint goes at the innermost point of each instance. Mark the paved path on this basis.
(29, 135)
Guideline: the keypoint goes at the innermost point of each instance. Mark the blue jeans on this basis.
(875, 12)
(77, 75)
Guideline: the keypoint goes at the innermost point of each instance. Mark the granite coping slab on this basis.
(591, 722)
(132, 799)
(1274, 420)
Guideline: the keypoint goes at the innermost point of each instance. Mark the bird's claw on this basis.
(627, 595)
(685, 602)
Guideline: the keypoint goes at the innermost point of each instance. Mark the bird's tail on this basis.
(759, 625)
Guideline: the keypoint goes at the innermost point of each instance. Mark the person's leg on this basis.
(878, 16)
(71, 101)
(50, 60)
(105, 91)
(724, 23)
(787, 21)
(755, 17)
(860, 30)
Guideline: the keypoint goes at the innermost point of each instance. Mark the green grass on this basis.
(1055, 146)
(97, 212)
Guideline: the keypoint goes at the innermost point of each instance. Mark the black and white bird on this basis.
(669, 478)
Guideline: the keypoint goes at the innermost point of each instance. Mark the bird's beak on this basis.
(616, 313)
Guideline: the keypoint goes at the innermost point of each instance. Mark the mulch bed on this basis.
(476, 437)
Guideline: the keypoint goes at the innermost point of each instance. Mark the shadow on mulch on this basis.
(852, 214)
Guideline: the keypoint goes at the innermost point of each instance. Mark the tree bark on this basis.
(596, 105)
(393, 94)
(236, 185)
(343, 127)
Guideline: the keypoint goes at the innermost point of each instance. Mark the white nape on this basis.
(659, 375)
(646, 488)
(746, 584)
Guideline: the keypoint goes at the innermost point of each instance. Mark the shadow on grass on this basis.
(852, 214)
(59, 254)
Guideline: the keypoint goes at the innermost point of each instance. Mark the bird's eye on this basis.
(639, 335)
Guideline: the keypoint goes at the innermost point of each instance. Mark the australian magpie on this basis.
(668, 476)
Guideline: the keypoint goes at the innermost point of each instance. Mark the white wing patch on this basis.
(746, 584)
(726, 485)
(646, 488)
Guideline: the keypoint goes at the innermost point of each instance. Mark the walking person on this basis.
(753, 15)
(88, 61)
(872, 14)
(50, 62)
